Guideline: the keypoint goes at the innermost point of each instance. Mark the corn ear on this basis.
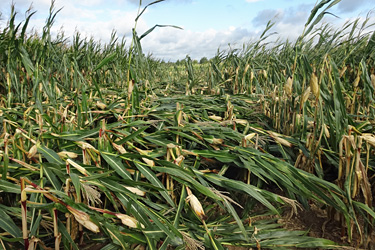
(280, 140)
(373, 80)
(250, 136)
(128, 220)
(100, 105)
(314, 85)
(288, 87)
(32, 152)
(119, 148)
(306, 95)
(66, 154)
(195, 204)
(135, 190)
(83, 219)
(215, 117)
(369, 138)
(343, 70)
(78, 167)
(356, 81)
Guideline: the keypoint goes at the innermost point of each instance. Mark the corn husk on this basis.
(250, 136)
(288, 87)
(100, 105)
(343, 70)
(314, 85)
(195, 205)
(78, 167)
(369, 138)
(326, 131)
(306, 95)
(85, 145)
(264, 73)
(299, 119)
(241, 121)
(130, 89)
(119, 148)
(58, 91)
(215, 117)
(24, 164)
(179, 160)
(373, 80)
(217, 141)
(135, 190)
(356, 81)
(128, 220)
(171, 145)
(66, 154)
(32, 152)
(149, 162)
(246, 68)
(280, 140)
(84, 219)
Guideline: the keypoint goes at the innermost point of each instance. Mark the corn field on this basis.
(102, 147)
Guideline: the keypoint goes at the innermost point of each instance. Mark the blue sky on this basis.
(207, 25)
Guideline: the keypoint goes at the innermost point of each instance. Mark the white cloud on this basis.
(172, 44)
(266, 15)
(164, 43)
(349, 6)
(90, 22)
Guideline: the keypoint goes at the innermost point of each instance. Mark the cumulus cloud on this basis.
(165, 43)
(90, 22)
(93, 18)
(266, 15)
(136, 2)
(172, 44)
(349, 6)
(288, 23)
(145, 2)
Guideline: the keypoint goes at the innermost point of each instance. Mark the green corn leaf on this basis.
(9, 187)
(174, 172)
(222, 155)
(160, 221)
(66, 235)
(236, 217)
(50, 155)
(151, 243)
(77, 184)
(105, 61)
(240, 186)
(117, 165)
(144, 9)
(78, 135)
(26, 61)
(155, 26)
(51, 176)
(215, 244)
(7, 224)
(132, 136)
(35, 225)
(150, 175)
